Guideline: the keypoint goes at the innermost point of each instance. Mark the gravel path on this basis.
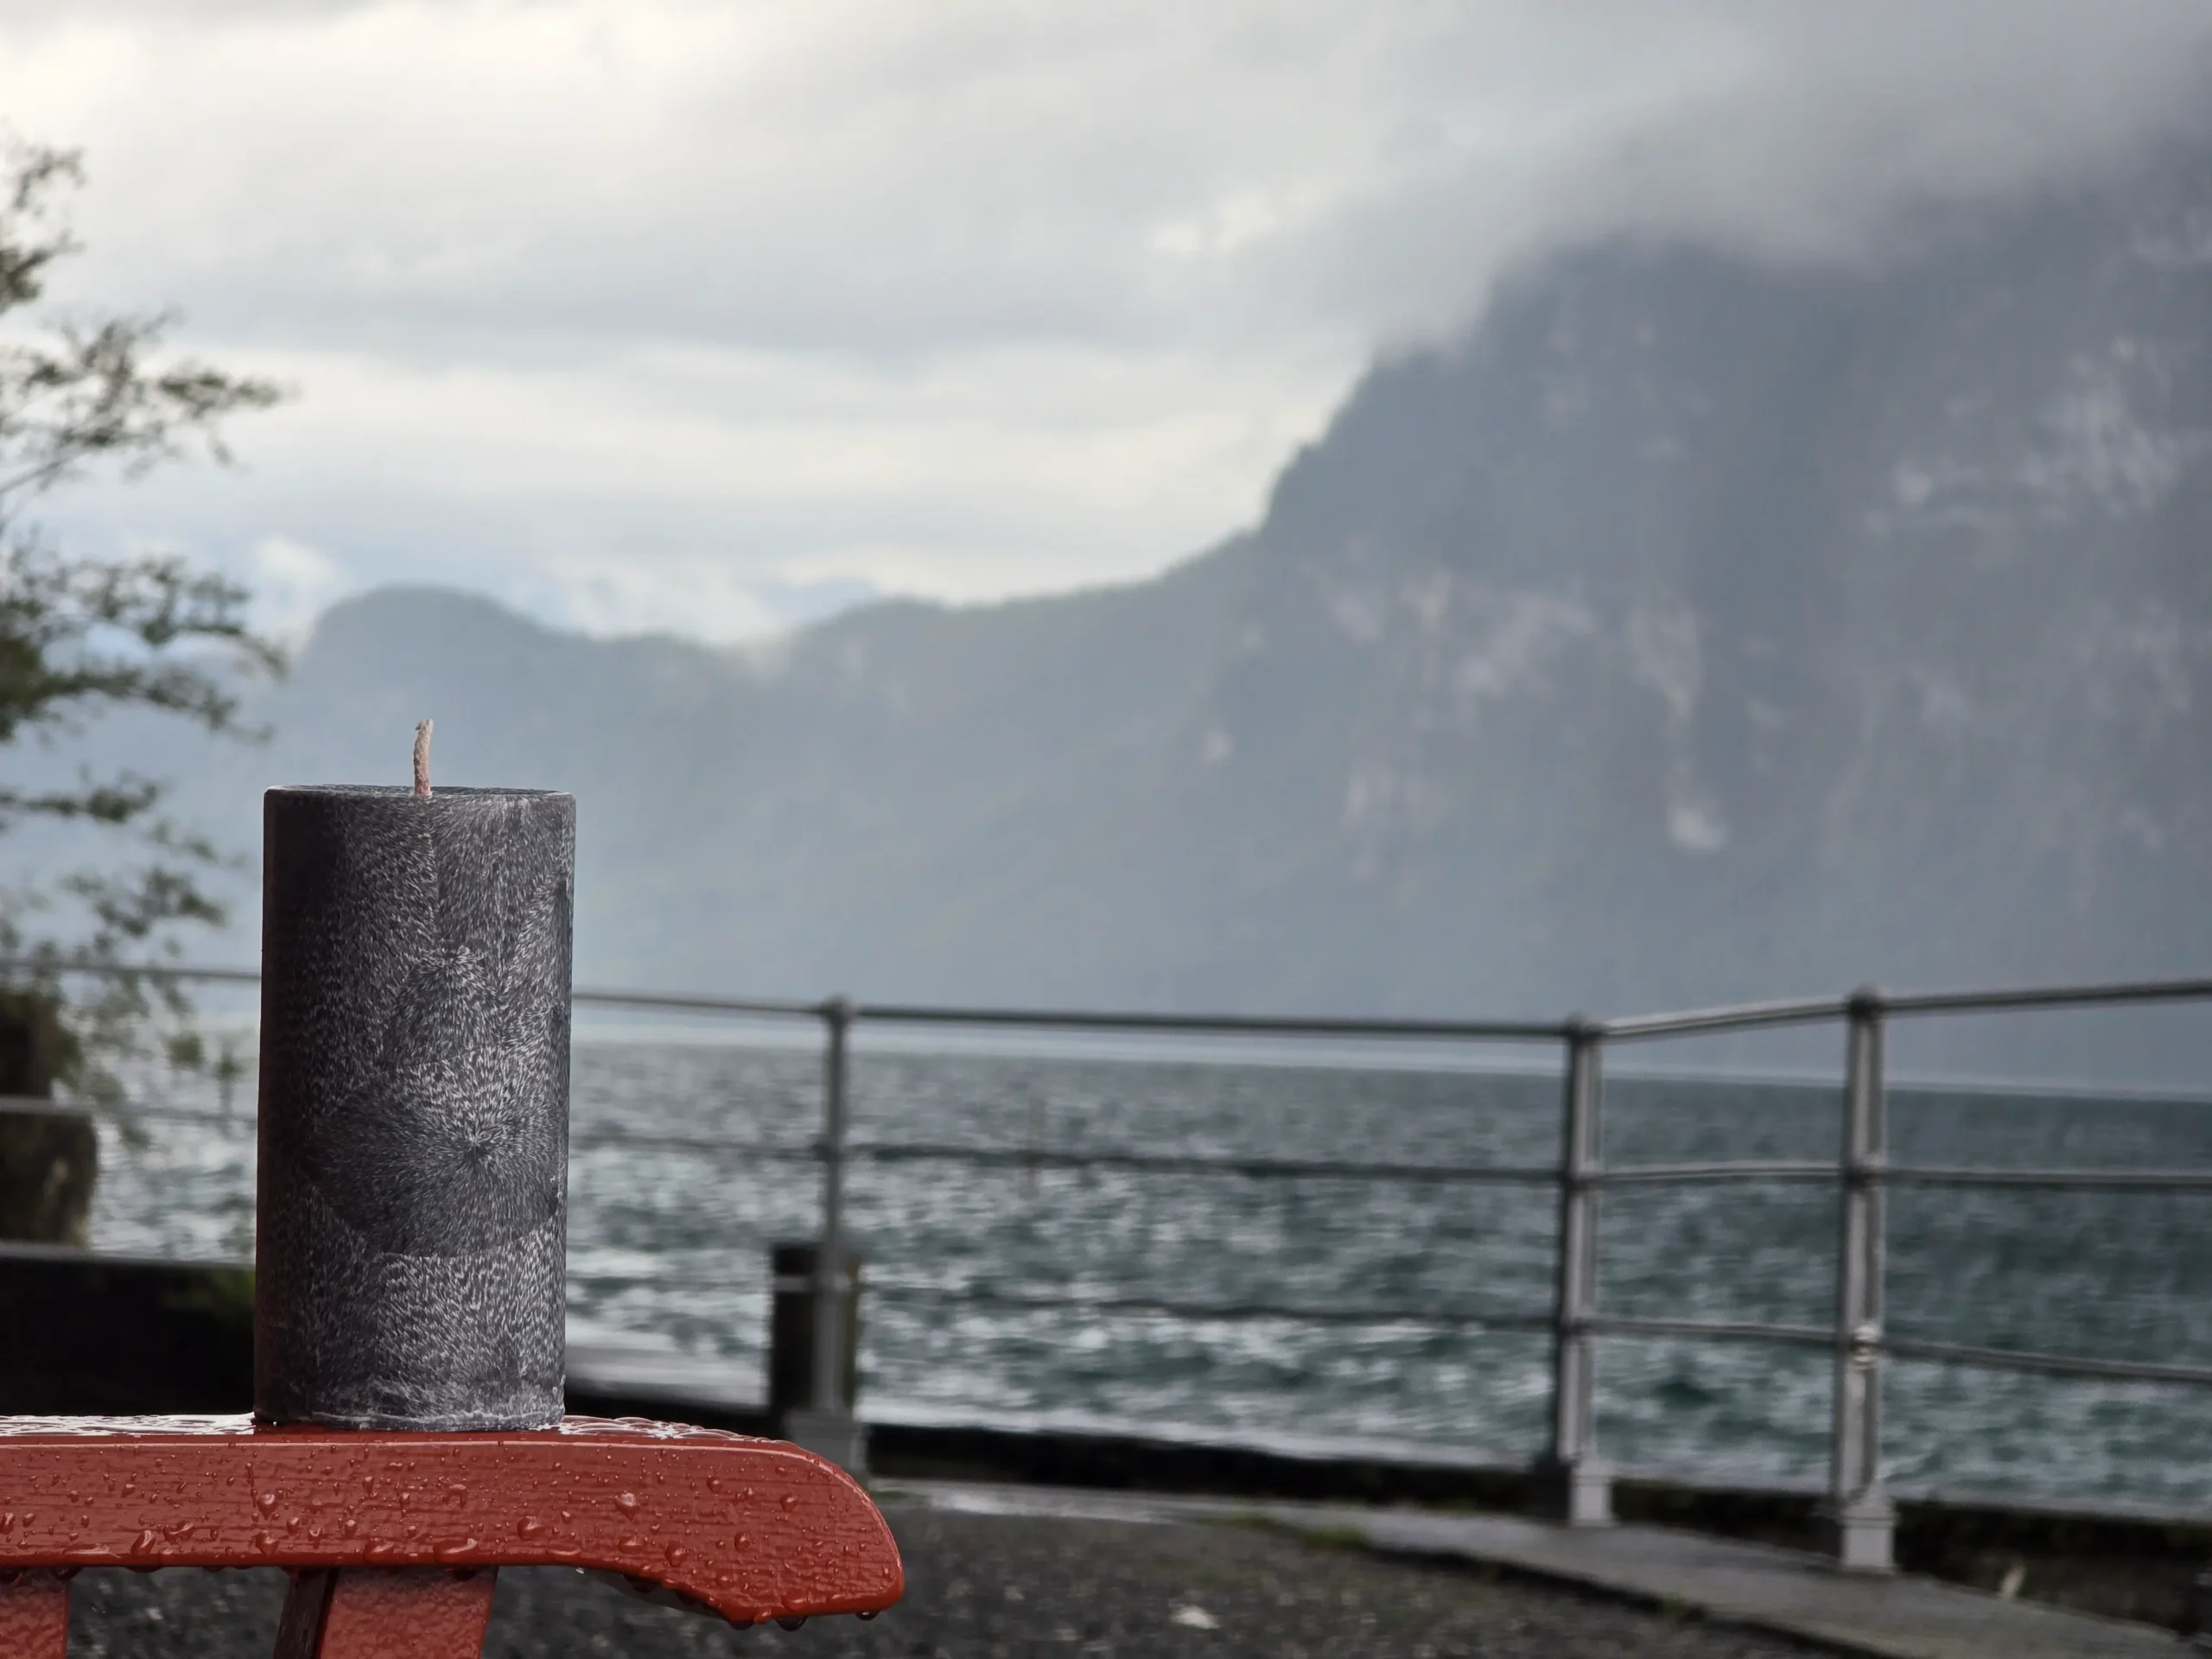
(989, 1585)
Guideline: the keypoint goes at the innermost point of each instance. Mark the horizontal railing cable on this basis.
(898, 1152)
(30, 967)
(1671, 1174)
(2006, 1359)
(128, 1115)
(2017, 1359)
(2112, 1180)
(684, 1002)
(1739, 1017)
(1252, 1168)
(2046, 996)
(1500, 1320)
(1988, 1175)
(1813, 1010)
(675, 1001)
(1224, 1025)
(1814, 1336)
(716, 1285)
(695, 1145)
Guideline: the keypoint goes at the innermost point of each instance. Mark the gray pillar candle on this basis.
(412, 1200)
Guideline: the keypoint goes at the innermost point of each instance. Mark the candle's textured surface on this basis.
(414, 1123)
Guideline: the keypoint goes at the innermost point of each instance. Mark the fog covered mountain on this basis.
(1694, 629)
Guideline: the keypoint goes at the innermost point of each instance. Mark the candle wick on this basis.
(422, 759)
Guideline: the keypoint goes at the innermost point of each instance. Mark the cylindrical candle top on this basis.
(412, 1203)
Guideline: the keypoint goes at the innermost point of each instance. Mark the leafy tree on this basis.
(83, 636)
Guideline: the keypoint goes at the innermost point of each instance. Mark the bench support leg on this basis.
(379, 1613)
(34, 1614)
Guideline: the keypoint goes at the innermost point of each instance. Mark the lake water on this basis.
(668, 1246)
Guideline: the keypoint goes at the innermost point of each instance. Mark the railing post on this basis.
(828, 1425)
(1861, 1521)
(1573, 1483)
(829, 1246)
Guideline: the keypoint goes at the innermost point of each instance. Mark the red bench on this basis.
(394, 1540)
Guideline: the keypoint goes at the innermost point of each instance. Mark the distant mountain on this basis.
(1694, 629)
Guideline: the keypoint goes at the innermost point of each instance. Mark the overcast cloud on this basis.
(639, 312)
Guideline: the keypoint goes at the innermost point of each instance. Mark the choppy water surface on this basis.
(669, 1244)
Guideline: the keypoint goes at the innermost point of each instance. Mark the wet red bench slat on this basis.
(394, 1537)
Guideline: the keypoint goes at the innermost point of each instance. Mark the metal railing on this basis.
(1572, 1481)
(1860, 1517)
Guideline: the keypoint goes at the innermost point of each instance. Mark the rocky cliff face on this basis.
(1694, 629)
(1701, 627)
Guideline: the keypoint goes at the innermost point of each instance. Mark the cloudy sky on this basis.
(653, 313)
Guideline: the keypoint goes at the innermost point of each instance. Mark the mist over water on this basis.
(668, 1250)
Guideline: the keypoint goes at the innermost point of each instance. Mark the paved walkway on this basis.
(1001, 1586)
(1751, 1585)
